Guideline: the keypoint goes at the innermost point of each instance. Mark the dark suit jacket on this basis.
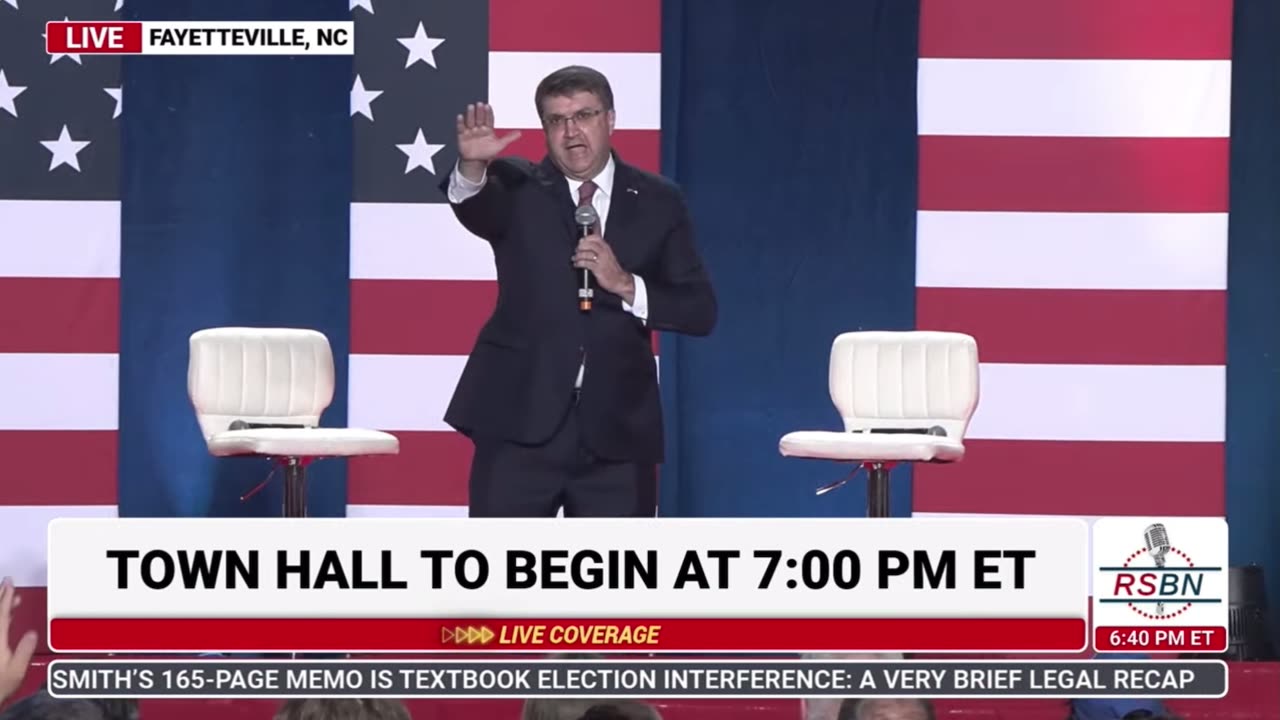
(518, 381)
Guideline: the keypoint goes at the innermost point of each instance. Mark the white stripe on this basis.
(635, 78)
(404, 392)
(415, 241)
(60, 238)
(1101, 402)
(1115, 251)
(24, 537)
(58, 391)
(1111, 98)
(406, 511)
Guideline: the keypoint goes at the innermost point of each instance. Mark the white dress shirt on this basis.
(460, 189)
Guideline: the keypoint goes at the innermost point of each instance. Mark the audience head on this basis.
(886, 708)
(43, 706)
(597, 709)
(621, 711)
(343, 709)
(1118, 709)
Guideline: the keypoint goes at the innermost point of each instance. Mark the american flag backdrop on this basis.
(59, 281)
(1073, 217)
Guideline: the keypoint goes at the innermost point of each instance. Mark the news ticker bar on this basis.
(696, 635)
(637, 678)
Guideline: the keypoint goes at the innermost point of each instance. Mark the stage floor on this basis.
(1254, 695)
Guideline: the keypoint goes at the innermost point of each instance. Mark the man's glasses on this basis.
(583, 116)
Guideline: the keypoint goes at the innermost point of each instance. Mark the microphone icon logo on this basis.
(1157, 540)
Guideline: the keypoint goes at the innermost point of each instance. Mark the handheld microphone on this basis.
(586, 217)
(1157, 540)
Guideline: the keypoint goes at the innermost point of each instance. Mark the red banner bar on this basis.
(93, 37)
(551, 635)
(1207, 639)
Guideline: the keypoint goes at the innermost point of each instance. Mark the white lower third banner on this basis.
(533, 585)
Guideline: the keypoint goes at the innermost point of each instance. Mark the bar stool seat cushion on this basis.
(868, 447)
(303, 442)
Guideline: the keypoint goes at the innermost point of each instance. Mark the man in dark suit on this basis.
(561, 403)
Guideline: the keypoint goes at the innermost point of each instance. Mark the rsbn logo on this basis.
(1158, 581)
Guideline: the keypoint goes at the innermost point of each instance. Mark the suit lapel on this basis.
(623, 203)
(554, 183)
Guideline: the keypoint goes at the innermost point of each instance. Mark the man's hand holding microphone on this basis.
(594, 254)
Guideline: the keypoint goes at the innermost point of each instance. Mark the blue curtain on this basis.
(235, 202)
(792, 129)
(1253, 311)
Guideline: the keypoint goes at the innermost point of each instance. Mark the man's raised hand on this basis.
(478, 143)
(13, 663)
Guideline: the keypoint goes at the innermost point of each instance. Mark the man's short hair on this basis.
(858, 708)
(343, 709)
(574, 79)
(43, 706)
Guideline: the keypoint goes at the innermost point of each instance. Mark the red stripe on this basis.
(60, 315)
(419, 317)
(641, 148)
(1156, 327)
(1087, 29)
(1039, 477)
(573, 26)
(431, 469)
(681, 635)
(1073, 174)
(445, 317)
(30, 616)
(58, 467)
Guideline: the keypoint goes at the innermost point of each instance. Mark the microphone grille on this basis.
(1157, 539)
(585, 215)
